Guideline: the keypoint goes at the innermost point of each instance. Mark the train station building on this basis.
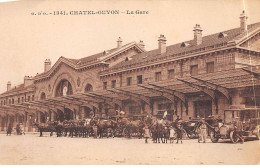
(197, 78)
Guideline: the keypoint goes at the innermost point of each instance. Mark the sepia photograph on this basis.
(149, 82)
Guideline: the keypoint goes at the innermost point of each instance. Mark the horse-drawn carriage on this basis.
(46, 127)
(120, 126)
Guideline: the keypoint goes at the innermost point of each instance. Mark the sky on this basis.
(26, 40)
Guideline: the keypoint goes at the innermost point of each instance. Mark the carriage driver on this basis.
(238, 125)
(95, 130)
(147, 133)
(172, 134)
(203, 131)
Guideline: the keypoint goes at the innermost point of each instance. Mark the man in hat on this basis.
(179, 131)
(172, 134)
(95, 130)
(238, 125)
(147, 133)
(202, 131)
(177, 119)
(9, 130)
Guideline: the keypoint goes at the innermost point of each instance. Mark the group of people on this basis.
(178, 131)
(174, 132)
(19, 130)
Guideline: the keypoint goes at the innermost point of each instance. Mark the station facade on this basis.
(197, 78)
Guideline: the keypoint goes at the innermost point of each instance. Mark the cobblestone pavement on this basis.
(32, 149)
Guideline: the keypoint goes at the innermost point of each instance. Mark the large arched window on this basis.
(88, 88)
(43, 96)
(64, 88)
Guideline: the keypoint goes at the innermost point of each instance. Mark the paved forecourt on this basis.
(32, 149)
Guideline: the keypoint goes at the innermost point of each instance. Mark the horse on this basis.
(66, 127)
(106, 126)
(85, 127)
(133, 127)
(165, 134)
(160, 130)
(73, 128)
(49, 127)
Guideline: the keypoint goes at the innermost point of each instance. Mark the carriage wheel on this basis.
(185, 134)
(192, 135)
(233, 137)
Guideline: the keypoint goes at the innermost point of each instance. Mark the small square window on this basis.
(139, 79)
(104, 85)
(158, 76)
(171, 74)
(194, 70)
(210, 67)
(113, 83)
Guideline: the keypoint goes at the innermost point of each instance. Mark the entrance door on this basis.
(87, 112)
(30, 122)
(68, 114)
(202, 109)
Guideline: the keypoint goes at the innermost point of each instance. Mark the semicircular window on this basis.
(88, 88)
(64, 88)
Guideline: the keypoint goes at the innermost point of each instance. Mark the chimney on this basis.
(47, 65)
(8, 85)
(243, 21)
(197, 34)
(141, 44)
(28, 81)
(119, 42)
(162, 44)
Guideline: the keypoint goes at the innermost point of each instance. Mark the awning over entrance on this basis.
(178, 88)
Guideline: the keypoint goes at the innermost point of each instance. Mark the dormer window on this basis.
(221, 35)
(128, 59)
(105, 52)
(184, 44)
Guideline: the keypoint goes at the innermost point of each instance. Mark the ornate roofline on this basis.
(99, 61)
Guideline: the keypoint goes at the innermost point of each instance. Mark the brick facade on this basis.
(191, 79)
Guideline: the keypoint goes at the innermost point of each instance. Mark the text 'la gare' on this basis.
(137, 12)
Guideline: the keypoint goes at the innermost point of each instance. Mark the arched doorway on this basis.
(2, 123)
(11, 120)
(68, 114)
(88, 88)
(60, 115)
(64, 88)
(42, 117)
(88, 113)
(20, 118)
(31, 120)
(203, 109)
